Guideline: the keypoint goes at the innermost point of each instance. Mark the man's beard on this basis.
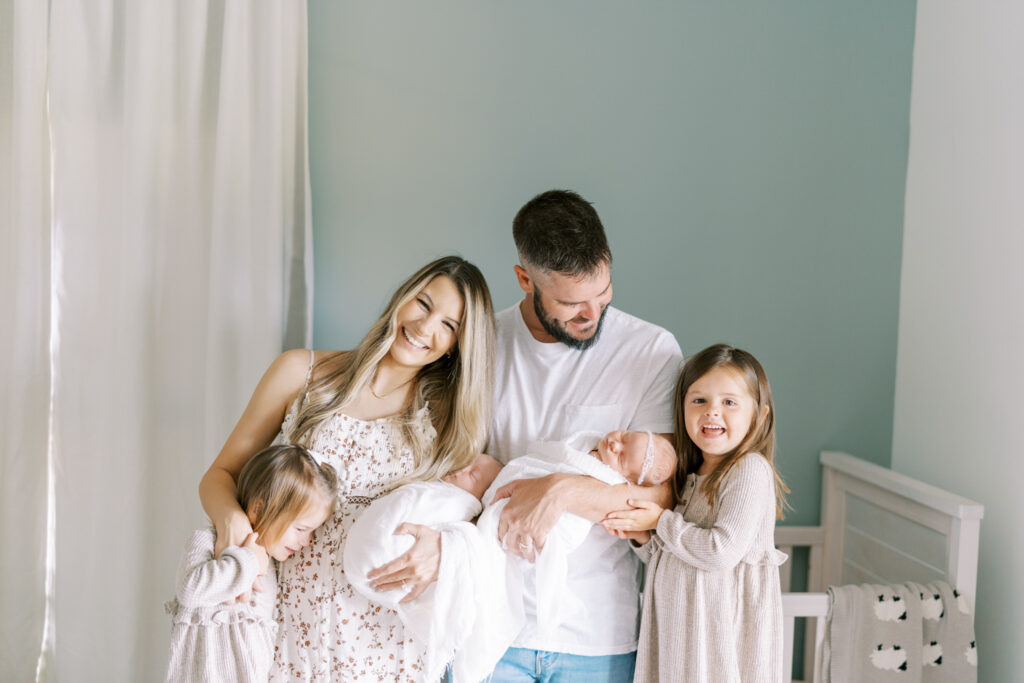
(560, 333)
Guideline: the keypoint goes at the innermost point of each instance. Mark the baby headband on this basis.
(648, 459)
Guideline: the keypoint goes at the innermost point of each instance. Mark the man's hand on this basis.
(533, 509)
(414, 570)
(640, 537)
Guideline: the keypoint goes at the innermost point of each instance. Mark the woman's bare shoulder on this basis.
(293, 367)
(290, 367)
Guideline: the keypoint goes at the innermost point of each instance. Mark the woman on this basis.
(411, 402)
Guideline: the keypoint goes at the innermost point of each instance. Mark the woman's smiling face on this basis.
(428, 325)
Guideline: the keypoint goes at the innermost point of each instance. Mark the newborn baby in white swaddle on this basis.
(618, 457)
(437, 618)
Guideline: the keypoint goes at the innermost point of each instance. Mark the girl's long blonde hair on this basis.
(456, 387)
(283, 481)
(760, 437)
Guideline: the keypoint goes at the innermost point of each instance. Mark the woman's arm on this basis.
(257, 427)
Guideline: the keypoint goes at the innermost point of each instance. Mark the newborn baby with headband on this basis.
(643, 458)
(618, 457)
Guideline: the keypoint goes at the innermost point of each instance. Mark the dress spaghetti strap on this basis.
(309, 373)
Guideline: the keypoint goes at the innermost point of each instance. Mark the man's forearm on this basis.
(592, 499)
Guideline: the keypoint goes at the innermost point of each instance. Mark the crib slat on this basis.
(808, 605)
(801, 605)
(785, 571)
(788, 623)
(815, 584)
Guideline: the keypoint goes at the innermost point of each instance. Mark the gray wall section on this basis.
(748, 162)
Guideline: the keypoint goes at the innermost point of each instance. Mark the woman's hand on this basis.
(414, 570)
(235, 531)
(262, 559)
(642, 516)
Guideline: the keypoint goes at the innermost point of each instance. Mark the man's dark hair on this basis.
(560, 231)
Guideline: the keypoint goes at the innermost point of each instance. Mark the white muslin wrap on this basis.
(442, 617)
(475, 609)
(502, 575)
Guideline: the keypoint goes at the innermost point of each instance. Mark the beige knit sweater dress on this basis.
(712, 605)
(214, 638)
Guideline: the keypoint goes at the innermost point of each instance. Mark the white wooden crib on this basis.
(878, 526)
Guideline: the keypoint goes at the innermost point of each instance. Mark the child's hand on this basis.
(644, 515)
(262, 560)
(640, 537)
(261, 554)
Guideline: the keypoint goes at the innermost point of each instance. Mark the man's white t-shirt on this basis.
(549, 391)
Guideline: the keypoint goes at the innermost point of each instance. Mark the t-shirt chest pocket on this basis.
(594, 418)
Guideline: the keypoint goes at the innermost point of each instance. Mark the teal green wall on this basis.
(748, 161)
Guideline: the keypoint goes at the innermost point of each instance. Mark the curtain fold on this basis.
(180, 260)
(24, 342)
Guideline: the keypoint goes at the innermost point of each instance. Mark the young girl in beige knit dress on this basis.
(286, 495)
(712, 604)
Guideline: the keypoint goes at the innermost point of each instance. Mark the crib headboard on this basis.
(886, 527)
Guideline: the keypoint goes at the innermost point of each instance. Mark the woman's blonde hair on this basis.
(282, 482)
(760, 437)
(457, 387)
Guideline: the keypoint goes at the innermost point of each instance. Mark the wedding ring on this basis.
(524, 546)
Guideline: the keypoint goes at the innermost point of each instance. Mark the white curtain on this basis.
(156, 255)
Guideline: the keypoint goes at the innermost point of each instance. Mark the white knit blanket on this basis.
(904, 633)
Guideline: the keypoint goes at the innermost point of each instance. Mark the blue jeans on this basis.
(519, 665)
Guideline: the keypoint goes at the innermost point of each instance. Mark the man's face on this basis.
(571, 309)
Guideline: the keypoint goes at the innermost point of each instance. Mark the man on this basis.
(567, 362)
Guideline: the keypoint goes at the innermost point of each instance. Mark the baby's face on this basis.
(476, 476)
(625, 452)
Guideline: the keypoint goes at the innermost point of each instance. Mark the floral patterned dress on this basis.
(327, 631)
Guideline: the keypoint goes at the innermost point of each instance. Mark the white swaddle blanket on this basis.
(498, 626)
(444, 615)
(475, 610)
